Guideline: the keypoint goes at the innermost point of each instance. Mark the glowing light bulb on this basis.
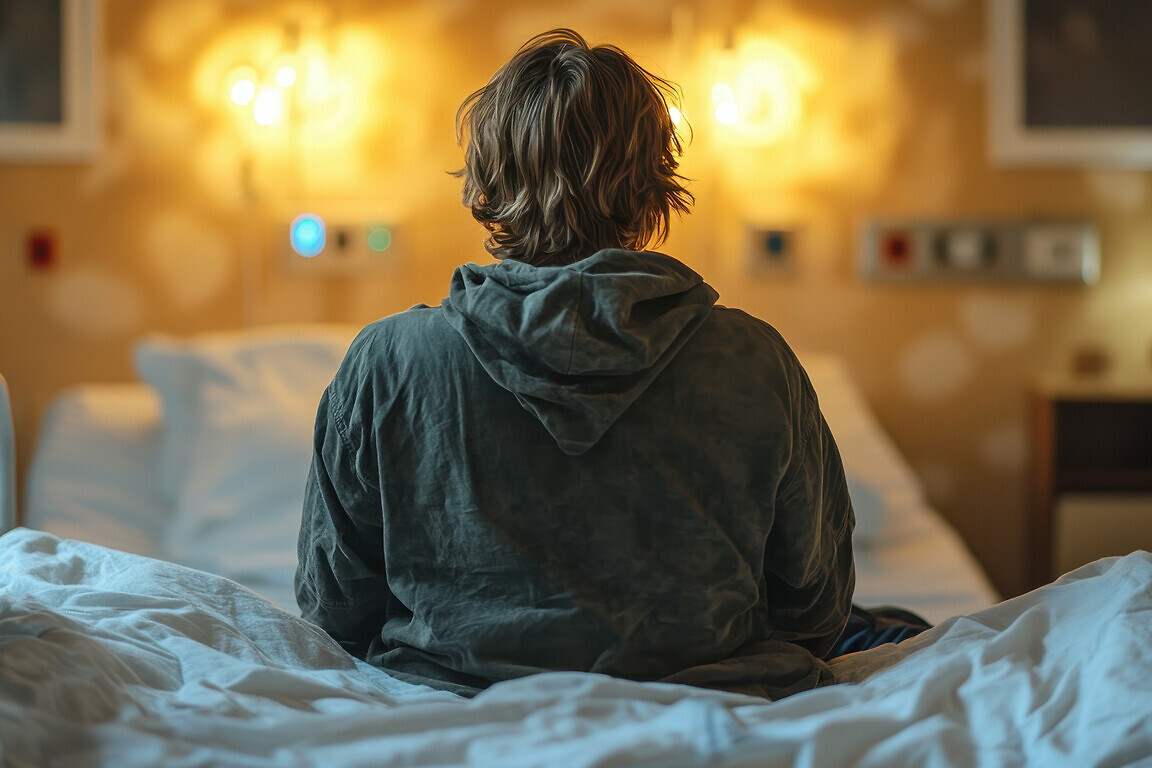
(285, 76)
(727, 112)
(268, 107)
(307, 235)
(676, 115)
(242, 91)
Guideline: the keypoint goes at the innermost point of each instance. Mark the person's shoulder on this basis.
(377, 347)
(387, 333)
(724, 319)
(762, 348)
(414, 317)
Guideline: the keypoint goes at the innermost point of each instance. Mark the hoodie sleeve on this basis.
(340, 579)
(809, 567)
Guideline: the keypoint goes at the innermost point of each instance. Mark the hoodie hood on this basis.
(578, 344)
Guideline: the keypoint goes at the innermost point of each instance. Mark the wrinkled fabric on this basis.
(112, 659)
(581, 468)
(577, 345)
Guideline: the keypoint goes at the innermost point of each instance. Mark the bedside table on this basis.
(1091, 472)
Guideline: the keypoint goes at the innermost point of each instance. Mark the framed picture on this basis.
(1069, 82)
(49, 80)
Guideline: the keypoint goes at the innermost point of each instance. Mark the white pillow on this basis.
(94, 474)
(239, 409)
(885, 491)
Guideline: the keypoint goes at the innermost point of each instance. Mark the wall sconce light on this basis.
(242, 85)
(757, 92)
(286, 76)
(268, 97)
(268, 105)
(724, 103)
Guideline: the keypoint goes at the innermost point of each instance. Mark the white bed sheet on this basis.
(112, 659)
(926, 568)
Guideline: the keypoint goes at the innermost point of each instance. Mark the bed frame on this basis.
(7, 461)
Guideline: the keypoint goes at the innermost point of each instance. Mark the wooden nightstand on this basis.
(1092, 472)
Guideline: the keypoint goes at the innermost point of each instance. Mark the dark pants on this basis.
(868, 628)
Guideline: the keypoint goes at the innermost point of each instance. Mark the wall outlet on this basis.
(1009, 251)
(771, 249)
(968, 249)
(1057, 252)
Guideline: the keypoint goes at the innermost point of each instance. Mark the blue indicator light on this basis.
(307, 235)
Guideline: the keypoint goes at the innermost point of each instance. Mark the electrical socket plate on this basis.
(1040, 251)
(771, 249)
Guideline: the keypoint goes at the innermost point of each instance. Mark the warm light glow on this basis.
(724, 102)
(240, 85)
(334, 101)
(331, 93)
(758, 92)
(768, 98)
(727, 112)
(242, 91)
(316, 86)
(269, 106)
(722, 92)
(676, 116)
(286, 76)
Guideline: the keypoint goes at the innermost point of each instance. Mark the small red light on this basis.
(41, 249)
(897, 249)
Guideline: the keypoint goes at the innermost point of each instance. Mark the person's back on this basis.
(577, 461)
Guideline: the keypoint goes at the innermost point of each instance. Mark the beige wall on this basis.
(156, 231)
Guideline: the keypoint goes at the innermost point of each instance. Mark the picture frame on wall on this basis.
(49, 80)
(1068, 83)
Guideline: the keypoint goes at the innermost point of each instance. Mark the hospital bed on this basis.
(7, 461)
(147, 617)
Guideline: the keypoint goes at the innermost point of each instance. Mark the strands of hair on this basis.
(570, 149)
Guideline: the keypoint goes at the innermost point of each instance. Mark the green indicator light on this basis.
(379, 239)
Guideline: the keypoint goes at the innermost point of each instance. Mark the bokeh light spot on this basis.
(307, 235)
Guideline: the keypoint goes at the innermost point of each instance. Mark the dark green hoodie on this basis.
(588, 467)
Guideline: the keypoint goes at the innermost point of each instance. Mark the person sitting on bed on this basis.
(579, 460)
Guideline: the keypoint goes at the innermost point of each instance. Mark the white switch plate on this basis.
(1057, 252)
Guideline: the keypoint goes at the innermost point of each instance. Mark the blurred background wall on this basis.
(172, 226)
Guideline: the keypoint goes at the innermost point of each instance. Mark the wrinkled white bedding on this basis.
(113, 659)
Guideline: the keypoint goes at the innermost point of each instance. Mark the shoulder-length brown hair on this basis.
(570, 149)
